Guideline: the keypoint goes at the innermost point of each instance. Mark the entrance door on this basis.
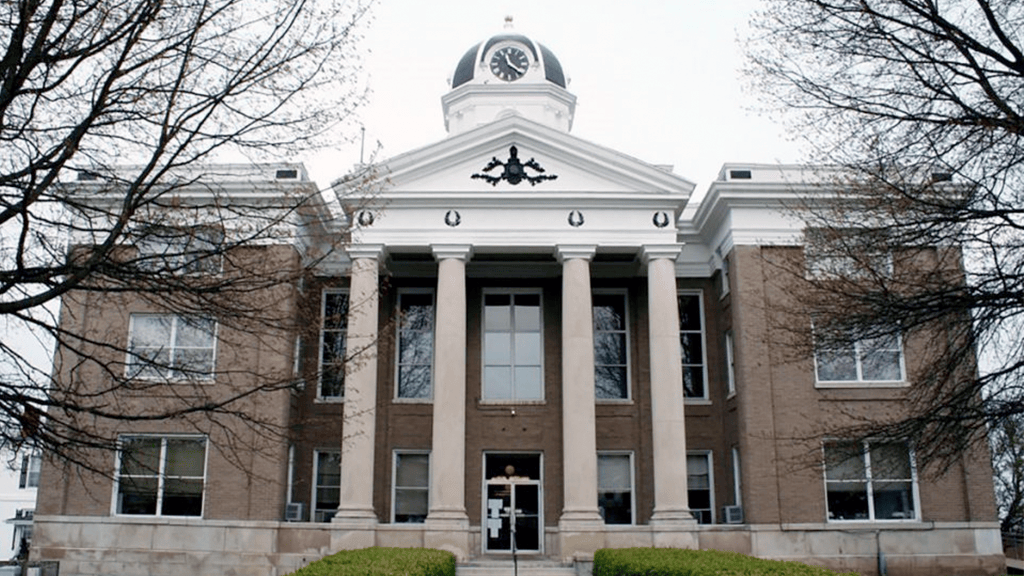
(513, 521)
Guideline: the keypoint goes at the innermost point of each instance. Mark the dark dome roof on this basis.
(467, 65)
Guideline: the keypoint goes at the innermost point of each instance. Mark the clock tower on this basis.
(508, 75)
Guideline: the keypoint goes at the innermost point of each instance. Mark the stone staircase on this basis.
(505, 568)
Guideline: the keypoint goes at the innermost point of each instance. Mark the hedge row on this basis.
(677, 562)
(383, 561)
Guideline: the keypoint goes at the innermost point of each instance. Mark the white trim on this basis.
(632, 482)
(626, 329)
(398, 344)
(706, 397)
(160, 474)
(483, 346)
(730, 365)
(320, 349)
(737, 492)
(394, 479)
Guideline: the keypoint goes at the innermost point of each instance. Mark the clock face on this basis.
(509, 63)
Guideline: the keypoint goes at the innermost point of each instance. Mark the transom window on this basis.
(513, 346)
(161, 476)
(333, 336)
(410, 502)
(870, 481)
(611, 346)
(415, 344)
(170, 346)
(615, 488)
(698, 487)
(327, 490)
(867, 360)
(691, 345)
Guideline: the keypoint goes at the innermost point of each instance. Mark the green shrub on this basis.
(383, 561)
(677, 562)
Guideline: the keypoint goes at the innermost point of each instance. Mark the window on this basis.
(327, 490)
(170, 346)
(691, 344)
(877, 359)
(513, 346)
(181, 250)
(29, 477)
(615, 488)
(870, 481)
(737, 495)
(730, 364)
(333, 328)
(412, 480)
(161, 475)
(415, 344)
(698, 487)
(611, 346)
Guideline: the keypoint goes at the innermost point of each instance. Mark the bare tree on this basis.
(916, 239)
(169, 88)
(1008, 460)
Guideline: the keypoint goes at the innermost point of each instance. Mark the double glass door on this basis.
(512, 507)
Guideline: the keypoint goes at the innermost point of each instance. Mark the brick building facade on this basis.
(524, 330)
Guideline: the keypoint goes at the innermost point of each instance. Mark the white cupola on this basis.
(508, 75)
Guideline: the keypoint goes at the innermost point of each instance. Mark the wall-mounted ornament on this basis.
(515, 170)
(575, 219)
(365, 218)
(452, 218)
(660, 219)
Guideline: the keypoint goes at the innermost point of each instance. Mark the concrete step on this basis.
(506, 568)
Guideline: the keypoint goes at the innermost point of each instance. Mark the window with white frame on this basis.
(333, 339)
(327, 488)
(737, 494)
(171, 346)
(870, 481)
(698, 487)
(410, 501)
(611, 346)
(513, 347)
(161, 475)
(730, 364)
(841, 360)
(615, 487)
(30, 465)
(181, 250)
(415, 343)
(691, 344)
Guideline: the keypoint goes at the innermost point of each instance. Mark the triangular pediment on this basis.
(581, 167)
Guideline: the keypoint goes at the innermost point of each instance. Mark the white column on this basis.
(671, 505)
(579, 442)
(448, 448)
(357, 470)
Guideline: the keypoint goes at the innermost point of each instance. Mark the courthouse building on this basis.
(524, 333)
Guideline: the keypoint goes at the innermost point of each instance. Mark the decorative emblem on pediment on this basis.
(660, 219)
(515, 170)
(365, 218)
(452, 218)
(575, 219)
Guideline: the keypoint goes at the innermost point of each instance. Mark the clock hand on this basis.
(513, 66)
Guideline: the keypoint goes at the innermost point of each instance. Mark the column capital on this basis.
(453, 251)
(374, 251)
(575, 251)
(650, 252)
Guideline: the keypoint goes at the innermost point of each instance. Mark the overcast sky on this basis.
(655, 79)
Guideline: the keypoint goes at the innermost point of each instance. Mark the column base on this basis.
(448, 530)
(353, 529)
(674, 529)
(580, 534)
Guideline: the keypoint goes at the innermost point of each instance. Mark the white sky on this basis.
(655, 79)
